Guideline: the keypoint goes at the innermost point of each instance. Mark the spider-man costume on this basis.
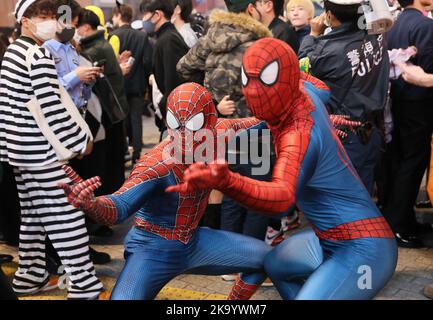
(351, 252)
(165, 241)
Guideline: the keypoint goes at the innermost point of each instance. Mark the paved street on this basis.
(414, 269)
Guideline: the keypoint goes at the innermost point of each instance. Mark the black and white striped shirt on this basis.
(21, 141)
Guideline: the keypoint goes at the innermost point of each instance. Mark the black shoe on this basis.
(408, 241)
(103, 232)
(99, 257)
(423, 228)
(5, 258)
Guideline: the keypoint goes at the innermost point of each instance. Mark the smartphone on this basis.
(99, 63)
(131, 61)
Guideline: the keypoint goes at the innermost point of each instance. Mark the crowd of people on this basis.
(73, 93)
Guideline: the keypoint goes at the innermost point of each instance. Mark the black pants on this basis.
(6, 291)
(135, 123)
(116, 147)
(410, 154)
(9, 206)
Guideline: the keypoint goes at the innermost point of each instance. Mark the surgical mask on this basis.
(77, 37)
(149, 26)
(45, 30)
(66, 35)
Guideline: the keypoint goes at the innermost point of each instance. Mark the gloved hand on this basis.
(201, 176)
(81, 193)
(343, 121)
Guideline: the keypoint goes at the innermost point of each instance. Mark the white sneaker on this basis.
(267, 283)
(52, 284)
(272, 236)
(229, 277)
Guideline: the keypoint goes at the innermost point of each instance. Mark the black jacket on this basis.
(169, 49)
(137, 81)
(412, 28)
(96, 48)
(284, 32)
(334, 59)
(302, 33)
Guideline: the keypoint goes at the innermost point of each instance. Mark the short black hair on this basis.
(88, 17)
(162, 5)
(405, 3)
(42, 7)
(344, 13)
(278, 7)
(185, 7)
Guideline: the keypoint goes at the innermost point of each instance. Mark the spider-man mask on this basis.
(191, 118)
(270, 79)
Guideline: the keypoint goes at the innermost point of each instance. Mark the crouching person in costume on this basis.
(165, 241)
(350, 252)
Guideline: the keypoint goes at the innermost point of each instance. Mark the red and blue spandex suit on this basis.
(350, 252)
(165, 241)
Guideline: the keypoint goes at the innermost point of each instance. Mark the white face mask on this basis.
(46, 30)
(77, 37)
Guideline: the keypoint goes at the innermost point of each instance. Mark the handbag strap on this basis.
(62, 152)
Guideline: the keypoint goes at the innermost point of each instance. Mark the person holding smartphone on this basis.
(110, 160)
(78, 79)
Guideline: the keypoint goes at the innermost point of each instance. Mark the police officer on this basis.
(355, 66)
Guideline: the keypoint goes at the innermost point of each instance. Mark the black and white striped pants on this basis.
(45, 212)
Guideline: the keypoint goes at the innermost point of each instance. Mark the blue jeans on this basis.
(304, 268)
(239, 219)
(152, 261)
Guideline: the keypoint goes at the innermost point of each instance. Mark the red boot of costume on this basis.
(242, 290)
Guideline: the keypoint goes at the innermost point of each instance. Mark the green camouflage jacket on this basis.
(219, 54)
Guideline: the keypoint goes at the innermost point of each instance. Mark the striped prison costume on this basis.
(45, 211)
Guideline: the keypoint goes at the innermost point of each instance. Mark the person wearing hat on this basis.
(29, 81)
(355, 67)
(413, 125)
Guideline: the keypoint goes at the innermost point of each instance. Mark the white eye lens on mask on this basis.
(269, 74)
(46, 30)
(172, 122)
(196, 122)
(244, 77)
